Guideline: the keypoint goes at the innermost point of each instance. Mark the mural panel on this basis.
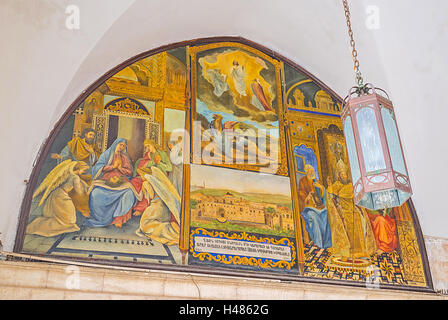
(341, 240)
(111, 190)
(244, 224)
(215, 158)
(237, 105)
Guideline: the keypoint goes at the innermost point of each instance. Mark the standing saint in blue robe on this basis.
(112, 196)
(312, 206)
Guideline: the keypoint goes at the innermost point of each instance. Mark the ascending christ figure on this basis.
(238, 74)
(112, 196)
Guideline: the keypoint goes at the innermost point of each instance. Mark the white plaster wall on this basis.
(45, 67)
(413, 47)
(38, 58)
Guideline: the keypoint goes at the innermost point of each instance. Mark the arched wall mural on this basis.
(218, 156)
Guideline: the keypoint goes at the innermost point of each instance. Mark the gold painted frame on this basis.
(303, 161)
(242, 260)
(298, 220)
(185, 217)
(193, 51)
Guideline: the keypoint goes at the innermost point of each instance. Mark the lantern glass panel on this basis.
(403, 196)
(393, 140)
(351, 149)
(370, 141)
(366, 201)
(385, 199)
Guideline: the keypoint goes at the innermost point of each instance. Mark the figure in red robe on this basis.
(385, 231)
(258, 91)
(153, 156)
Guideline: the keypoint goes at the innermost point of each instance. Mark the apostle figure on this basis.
(352, 233)
(259, 99)
(219, 81)
(312, 206)
(58, 203)
(81, 148)
(385, 230)
(153, 156)
(112, 196)
(235, 140)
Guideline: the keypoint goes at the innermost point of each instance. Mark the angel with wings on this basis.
(64, 192)
(161, 219)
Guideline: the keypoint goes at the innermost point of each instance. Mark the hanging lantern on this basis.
(379, 174)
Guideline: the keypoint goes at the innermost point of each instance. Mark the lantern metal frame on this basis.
(387, 178)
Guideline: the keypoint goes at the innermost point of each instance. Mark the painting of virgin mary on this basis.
(112, 196)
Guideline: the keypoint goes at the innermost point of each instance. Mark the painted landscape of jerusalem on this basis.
(216, 204)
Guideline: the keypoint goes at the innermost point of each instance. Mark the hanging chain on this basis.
(359, 79)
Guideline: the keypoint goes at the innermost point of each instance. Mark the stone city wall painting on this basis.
(111, 187)
(246, 224)
(237, 103)
(220, 158)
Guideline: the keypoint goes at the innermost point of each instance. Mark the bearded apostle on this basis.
(153, 156)
(81, 148)
(312, 206)
(352, 233)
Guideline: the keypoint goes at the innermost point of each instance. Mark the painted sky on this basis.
(239, 181)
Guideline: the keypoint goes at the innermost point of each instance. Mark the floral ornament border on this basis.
(241, 260)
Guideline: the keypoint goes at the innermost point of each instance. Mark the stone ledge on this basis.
(35, 280)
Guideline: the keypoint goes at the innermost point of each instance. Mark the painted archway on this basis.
(186, 158)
